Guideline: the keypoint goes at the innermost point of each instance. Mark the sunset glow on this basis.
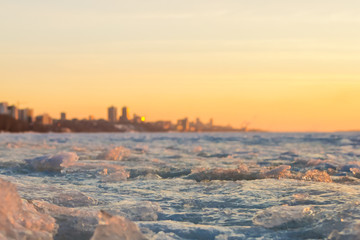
(274, 65)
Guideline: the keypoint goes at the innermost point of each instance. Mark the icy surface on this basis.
(19, 219)
(53, 163)
(116, 228)
(180, 186)
(280, 215)
(115, 154)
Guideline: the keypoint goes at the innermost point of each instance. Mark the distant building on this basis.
(198, 125)
(13, 112)
(182, 125)
(44, 119)
(211, 124)
(136, 119)
(25, 115)
(4, 108)
(62, 116)
(165, 125)
(112, 114)
(125, 115)
(30, 115)
(91, 118)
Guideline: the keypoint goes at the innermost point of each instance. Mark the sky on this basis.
(279, 65)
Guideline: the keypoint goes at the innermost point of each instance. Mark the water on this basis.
(190, 185)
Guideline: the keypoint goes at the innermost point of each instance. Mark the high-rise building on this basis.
(4, 108)
(112, 114)
(23, 115)
(44, 119)
(136, 119)
(183, 125)
(125, 115)
(211, 123)
(198, 124)
(30, 115)
(13, 112)
(62, 116)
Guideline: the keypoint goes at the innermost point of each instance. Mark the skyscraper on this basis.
(183, 125)
(44, 119)
(125, 115)
(62, 116)
(30, 115)
(211, 123)
(23, 115)
(26, 115)
(12, 111)
(112, 114)
(4, 108)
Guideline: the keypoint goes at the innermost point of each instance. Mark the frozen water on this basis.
(116, 228)
(73, 199)
(73, 223)
(19, 219)
(316, 175)
(282, 215)
(135, 211)
(180, 186)
(115, 154)
(52, 163)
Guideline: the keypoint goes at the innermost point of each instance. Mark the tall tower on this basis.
(62, 116)
(112, 114)
(12, 111)
(4, 108)
(125, 115)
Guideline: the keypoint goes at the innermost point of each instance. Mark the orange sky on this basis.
(279, 66)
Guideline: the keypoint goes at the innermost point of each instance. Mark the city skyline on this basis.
(15, 119)
(276, 65)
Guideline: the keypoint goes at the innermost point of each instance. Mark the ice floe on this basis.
(114, 154)
(19, 219)
(52, 163)
(278, 216)
(116, 228)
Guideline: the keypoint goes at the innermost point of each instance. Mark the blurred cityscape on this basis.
(14, 119)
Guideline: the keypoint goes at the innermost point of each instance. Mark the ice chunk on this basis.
(197, 149)
(116, 228)
(317, 176)
(186, 230)
(282, 171)
(165, 236)
(73, 223)
(290, 155)
(356, 172)
(73, 199)
(53, 163)
(19, 219)
(301, 196)
(149, 176)
(108, 172)
(114, 154)
(240, 173)
(347, 167)
(279, 215)
(114, 173)
(136, 211)
(116, 176)
(352, 232)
